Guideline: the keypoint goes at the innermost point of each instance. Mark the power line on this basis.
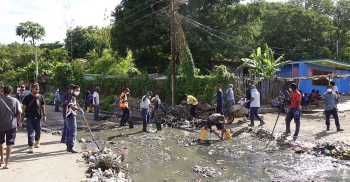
(135, 7)
(143, 8)
(156, 12)
(234, 36)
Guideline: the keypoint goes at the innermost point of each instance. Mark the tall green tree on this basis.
(34, 32)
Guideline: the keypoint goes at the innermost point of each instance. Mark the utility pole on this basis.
(337, 47)
(173, 72)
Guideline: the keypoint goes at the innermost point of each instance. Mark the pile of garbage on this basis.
(173, 122)
(206, 171)
(104, 165)
(338, 150)
(260, 134)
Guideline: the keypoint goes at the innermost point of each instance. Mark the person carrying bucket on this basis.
(219, 121)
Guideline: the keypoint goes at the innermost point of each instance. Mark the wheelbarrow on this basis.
(237, 110)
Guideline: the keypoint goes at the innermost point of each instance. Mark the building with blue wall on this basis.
(314, 67)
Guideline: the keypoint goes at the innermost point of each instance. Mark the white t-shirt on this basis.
(242, 102)
(97, 96)
(145, 103)
(256, 101)
(159, 101)
(334, 89)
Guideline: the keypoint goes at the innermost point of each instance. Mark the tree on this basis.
(263, 64)
(34, 32)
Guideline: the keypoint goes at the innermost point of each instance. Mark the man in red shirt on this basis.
(294, 111)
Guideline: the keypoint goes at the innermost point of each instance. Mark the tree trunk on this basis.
(36, 65)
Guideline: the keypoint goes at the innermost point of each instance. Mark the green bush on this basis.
(107, 104)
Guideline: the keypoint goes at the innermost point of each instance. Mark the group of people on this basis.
(12, 110)
(148, 106)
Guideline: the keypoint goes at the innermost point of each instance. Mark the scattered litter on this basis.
(206, 171)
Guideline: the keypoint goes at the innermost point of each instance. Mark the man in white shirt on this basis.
(96, 103)
(230, 98)
(145, 109)
(254, 106)
(335, 90)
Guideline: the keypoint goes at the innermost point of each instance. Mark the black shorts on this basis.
(10, 137)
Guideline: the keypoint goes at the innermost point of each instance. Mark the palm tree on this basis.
(263, 65)
(34, 32)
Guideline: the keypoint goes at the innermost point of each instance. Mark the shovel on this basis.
(88, 127)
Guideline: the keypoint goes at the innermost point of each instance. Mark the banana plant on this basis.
(263, 64)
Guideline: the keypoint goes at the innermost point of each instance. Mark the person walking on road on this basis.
(230, 98)
(248, 96)
(57, 100)
(96, 103)
(330, 108)
(219, 99)
(124, 105)
(64, 112)
(192, 101)
(71, 120)
(294, 111)
(145, 109)
(219, 121)
(254, 106)
(34, 109)
(10, 115)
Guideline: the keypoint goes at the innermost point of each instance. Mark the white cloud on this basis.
(51, 14)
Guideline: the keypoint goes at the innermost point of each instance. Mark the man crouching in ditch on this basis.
(219, 121)
(71, 120)
(10, 114)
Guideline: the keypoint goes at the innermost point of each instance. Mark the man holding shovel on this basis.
(71, 120)
(219, 121)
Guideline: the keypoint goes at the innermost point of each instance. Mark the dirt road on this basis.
(50, 162)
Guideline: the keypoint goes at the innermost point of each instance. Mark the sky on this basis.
(54, 15)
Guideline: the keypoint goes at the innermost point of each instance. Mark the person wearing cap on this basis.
(230, 98)
(192, 101)
(57, 100)
(294, 110)
(219, 99)
(330, 107)
(219, 121)
(157, 103)
(254, 102)
(124, 105)
(145, 109)
(96, 103)
(64, 112)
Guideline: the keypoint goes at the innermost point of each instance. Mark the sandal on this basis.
(7, 167)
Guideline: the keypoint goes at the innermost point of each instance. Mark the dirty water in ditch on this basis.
(171, 154)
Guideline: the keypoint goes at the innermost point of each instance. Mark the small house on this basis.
(313, 74)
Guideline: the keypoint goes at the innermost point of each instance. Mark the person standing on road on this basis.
(219, 99)
(294, 110)
(230, 98)
(64, 112)
(57, 100)
(10, 115)
(71, 120)
(145, 109)
(254, 106)
(248, 96)
(124, 105)
(330, 107)
(192, 101)
(34, 109)
(335, 91)
(86, 100)
(96, 103)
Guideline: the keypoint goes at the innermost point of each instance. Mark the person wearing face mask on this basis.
(34, 109)
(64, 112)
(294, 111)
(124, 105)
(71, 121)
(145, 109)
(330, 107)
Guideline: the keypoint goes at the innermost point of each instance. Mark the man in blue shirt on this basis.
(57, 100)
(230, 98)
(330, 107)
(64, 112)
(219, 99)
